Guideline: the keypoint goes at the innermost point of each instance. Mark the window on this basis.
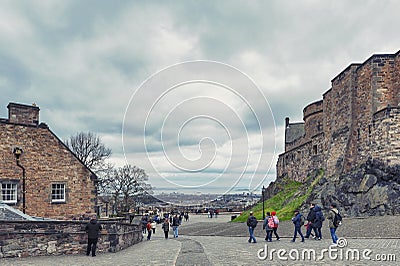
(9, 192)
(58, 192)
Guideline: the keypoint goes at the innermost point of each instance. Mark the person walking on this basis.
(268, 225)
(276, 224)
(153, 226)
(252, 223)
(144, 223)
(165, 227)
(298, 221)
(92, 229)
(317, 224)
(310, 220)
(175, 225)
(334, 218)
(148, 227)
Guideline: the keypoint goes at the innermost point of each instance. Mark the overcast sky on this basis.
(194, 92)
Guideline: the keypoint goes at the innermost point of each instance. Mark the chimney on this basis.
(23, 114)
(286, 122)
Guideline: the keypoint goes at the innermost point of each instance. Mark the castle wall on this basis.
(313, 119)
(299, 162)
(338, 119)
(385, 141)
(358, 118)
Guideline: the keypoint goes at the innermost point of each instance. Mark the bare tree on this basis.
(128, 183)
(89, 148)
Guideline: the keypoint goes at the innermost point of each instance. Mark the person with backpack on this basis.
(317, 224)
(252, 223)
(335, 219)
(276, 224)
(268, 226)
(298, 221)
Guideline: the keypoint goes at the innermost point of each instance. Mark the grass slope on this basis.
(292, 197)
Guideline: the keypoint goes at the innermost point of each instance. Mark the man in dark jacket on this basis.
(175, 225)
(311, 220)
(252, 223)
(93, 229)
(317, 224)
(297, 221)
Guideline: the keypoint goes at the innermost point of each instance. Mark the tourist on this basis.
(165, 227)
(153, 226)
(268, 225)
(144, 223)
(276, 224)
(175, 225)
(317, 224)
(186, 217)
(310, 220)
(93, 230)
(332, 226)
(252, 223)
(298, 221)
(148, 227)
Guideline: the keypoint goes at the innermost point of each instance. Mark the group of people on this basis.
(313, 222)
(170, 220)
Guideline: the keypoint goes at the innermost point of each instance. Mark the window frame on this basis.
(61, 187)
(14, 189)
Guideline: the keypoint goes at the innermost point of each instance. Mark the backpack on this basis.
(253, 222)
(271, 223)
(302, 220)
(337, 219)
(276, 220)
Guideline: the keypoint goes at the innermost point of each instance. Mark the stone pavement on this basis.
(204, 241)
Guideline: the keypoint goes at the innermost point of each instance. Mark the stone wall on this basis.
(39, 238)
(350, 120)
(385, 142)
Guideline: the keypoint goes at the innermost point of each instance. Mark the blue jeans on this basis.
(175, 229)
(251, 232)
(297, 229)
(269, 235)
(333, 235)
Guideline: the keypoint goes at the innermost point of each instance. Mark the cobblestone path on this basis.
(204, 241)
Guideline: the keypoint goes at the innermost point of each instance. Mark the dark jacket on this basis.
(93, 229)
(175, 221)
(311, 215)
(296, 220)
(165, 227)
(252, 221)
(318, 217)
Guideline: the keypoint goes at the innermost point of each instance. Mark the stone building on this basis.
(358, 118)
(57, 184)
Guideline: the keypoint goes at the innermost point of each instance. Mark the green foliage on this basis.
(293, 195)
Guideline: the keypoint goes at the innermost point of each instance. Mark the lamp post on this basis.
(262, 196)
(18, 152)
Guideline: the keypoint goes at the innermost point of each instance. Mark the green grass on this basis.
(292, 197)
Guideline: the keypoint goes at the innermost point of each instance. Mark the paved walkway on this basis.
(205, 241)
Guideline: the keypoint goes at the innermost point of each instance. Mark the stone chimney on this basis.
(23, 114)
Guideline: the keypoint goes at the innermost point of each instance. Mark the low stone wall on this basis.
(39, 238)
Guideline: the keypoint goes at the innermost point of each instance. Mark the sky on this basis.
(194, 92)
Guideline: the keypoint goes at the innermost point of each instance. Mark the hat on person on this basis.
(273, 213)
(251, 212)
